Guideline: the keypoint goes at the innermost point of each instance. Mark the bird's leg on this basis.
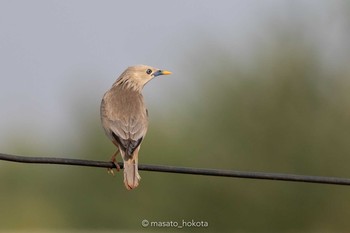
(113, 160)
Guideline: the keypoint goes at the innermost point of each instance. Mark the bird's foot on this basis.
(114, 161)
(110, 170)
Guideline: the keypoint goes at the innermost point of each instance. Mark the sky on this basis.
(56, 55)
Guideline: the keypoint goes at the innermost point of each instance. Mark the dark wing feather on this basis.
(128, 145)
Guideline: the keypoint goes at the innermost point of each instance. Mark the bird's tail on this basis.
(131, 174)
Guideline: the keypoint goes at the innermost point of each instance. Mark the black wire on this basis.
(182, 170)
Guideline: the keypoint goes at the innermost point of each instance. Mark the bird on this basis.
(124, 117)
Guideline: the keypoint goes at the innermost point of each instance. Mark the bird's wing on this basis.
(125, 120)
(128, 134)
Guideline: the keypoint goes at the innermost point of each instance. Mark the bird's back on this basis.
(124, 117)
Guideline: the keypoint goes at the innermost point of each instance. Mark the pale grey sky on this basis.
(52, 53)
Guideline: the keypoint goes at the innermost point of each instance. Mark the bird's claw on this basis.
(110, 170)
(114, 161)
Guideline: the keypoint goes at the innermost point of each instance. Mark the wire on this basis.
(182, 170)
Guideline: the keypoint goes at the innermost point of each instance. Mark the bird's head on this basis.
(136, 77)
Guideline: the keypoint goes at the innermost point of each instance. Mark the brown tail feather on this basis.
(131, 174)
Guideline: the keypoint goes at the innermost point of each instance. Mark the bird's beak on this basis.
(161, 72)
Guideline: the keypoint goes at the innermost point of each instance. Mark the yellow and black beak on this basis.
(161, 72)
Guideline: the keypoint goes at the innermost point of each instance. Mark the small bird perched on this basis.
(124, 117)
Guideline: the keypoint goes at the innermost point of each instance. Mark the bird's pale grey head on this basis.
(135, 77)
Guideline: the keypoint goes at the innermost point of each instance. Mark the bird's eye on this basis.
(149, 71)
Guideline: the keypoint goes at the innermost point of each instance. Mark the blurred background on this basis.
(256, 86)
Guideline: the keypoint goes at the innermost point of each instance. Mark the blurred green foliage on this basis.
(285, 112)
